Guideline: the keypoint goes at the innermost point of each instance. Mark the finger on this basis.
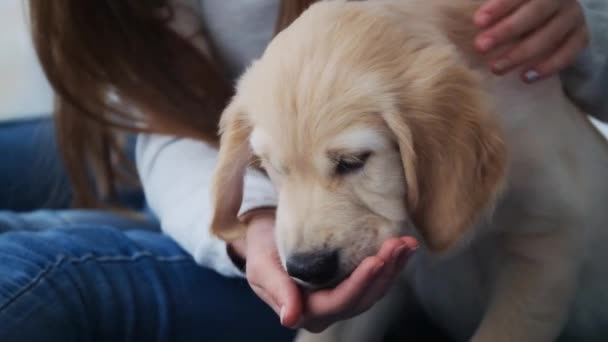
(494, 10)
(279, 292)
(541, 42)
(562, 58)
(385, 280)
(387, 250)
(266, 297)
(394, 251)
(525, 19)
(269, 280)
(319, 317)
(391, 253)
(411, 242)
(334, 301)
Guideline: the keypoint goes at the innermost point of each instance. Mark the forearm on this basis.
(176, 176)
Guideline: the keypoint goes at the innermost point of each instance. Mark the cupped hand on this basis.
(315, 311)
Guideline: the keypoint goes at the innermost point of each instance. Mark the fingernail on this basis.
(501, 65)
(531, 75)
(413, 244)
(282, 315)
(485, 43)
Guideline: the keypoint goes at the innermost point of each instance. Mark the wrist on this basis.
(258, 216)
(236, 251)
(255, 219)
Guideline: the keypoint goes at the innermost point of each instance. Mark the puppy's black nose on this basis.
(317, 268)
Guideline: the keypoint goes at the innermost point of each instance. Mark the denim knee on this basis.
(52, 219)
(63, 284)
(97, 283)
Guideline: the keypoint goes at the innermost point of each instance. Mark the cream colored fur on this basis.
(504, 183)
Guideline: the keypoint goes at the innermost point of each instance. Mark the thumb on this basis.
(289, 297)
(272, 284)
(269, 280)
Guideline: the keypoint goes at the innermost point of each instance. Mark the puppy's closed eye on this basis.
(348, 164)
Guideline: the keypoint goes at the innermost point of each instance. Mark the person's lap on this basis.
(78, 275)
(32, 175)
(92, 281)
(44, 219)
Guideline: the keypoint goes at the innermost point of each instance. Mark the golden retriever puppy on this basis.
(376, 119)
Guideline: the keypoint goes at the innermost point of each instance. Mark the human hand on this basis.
(315, 311)
(542, 36)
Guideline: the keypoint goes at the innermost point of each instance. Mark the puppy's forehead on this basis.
(359, 138)
(308, 112)
(352, 140)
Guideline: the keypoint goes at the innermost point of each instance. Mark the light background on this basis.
(24, 91)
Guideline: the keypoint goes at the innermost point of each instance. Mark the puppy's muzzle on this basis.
(314, 269)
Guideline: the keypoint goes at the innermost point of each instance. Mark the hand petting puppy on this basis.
(541, 36)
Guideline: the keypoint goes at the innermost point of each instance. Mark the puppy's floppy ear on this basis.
(452, 150)
(234, 157)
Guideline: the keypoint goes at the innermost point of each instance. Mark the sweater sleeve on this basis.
(176, 176)
(586, 82)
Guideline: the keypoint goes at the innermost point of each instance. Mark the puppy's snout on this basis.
(315, 268)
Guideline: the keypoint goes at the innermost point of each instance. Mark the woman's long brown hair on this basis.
(116, 67)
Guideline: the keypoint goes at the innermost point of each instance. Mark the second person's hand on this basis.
(542, 36)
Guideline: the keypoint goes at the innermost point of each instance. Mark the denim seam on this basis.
(61, 259)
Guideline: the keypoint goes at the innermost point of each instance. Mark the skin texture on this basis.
(542, 36)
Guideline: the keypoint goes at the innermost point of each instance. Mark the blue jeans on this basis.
(72, 275)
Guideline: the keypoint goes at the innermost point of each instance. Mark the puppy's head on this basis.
(367, 127)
